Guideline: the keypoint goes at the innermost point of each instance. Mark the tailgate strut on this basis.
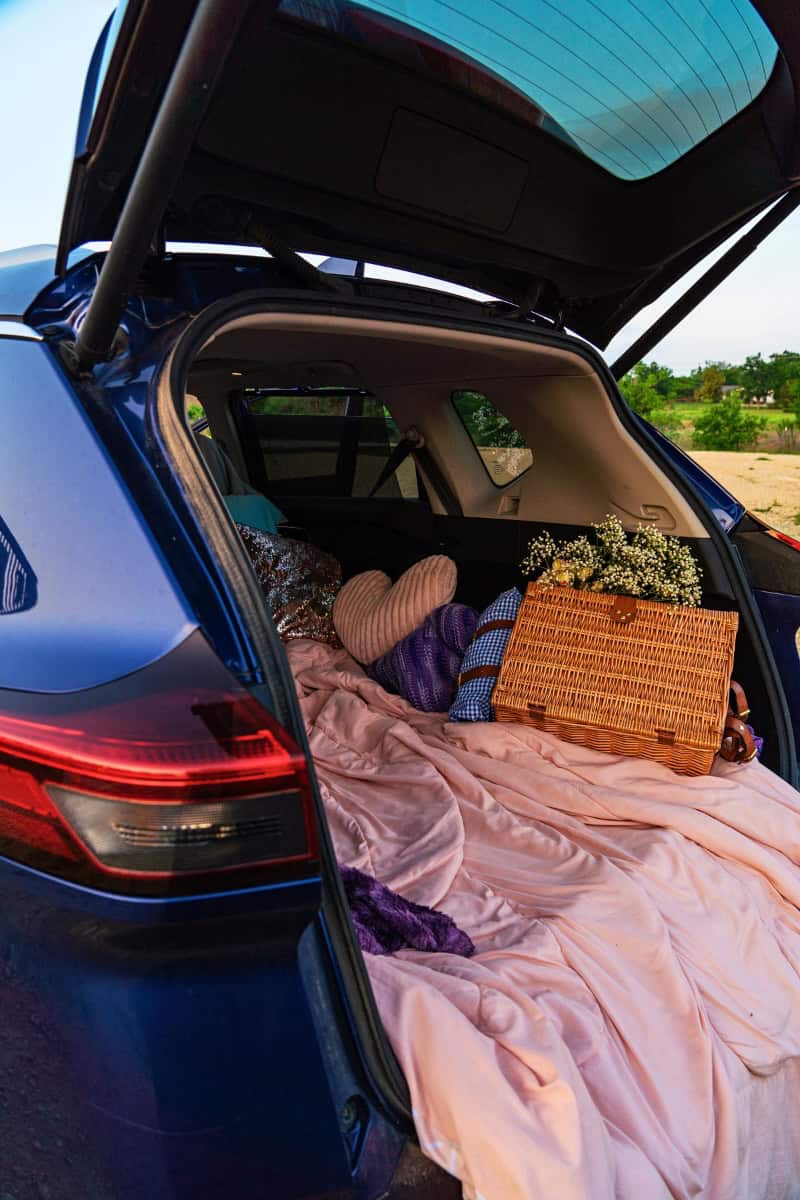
(715, 274)
(191, 85)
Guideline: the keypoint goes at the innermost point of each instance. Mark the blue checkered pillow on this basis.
(473, 699)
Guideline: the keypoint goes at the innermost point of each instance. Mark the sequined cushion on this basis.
(299, 583)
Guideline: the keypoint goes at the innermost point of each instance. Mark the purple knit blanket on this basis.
(385, 922)
(422, 667)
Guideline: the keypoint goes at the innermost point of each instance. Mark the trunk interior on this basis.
(308, 408)
(522, 434)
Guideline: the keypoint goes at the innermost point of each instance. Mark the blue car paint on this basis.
(96, 74)
(168, 1049)
(121, 423)
(105, 604)
(26, 272)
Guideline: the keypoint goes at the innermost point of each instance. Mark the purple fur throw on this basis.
(385, 922)
(759, 741)
(423, 666)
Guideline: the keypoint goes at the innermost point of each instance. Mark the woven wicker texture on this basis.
(656, 687)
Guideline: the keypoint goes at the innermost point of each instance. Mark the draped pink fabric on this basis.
(630, 1024)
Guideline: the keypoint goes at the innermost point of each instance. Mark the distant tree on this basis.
(709, 390)
(682, 386)
(486, 426)
(786, 377)
(640, 389)
(491, 428)
(661, 377)
(725, 425)
(758, 377)
(789, 393)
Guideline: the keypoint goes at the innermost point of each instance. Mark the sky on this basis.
(46, 46)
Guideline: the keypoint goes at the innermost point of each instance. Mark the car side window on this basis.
(322, 442)
(502, 448)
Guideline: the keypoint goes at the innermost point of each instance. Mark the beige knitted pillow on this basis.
(371, 615)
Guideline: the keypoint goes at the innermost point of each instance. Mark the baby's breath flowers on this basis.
(648, 564)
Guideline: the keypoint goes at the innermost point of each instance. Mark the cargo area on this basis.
(574, 915)
(308, 410)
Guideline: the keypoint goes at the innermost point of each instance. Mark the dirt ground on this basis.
(767, 484)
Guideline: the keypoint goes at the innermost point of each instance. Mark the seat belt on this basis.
(413, 442)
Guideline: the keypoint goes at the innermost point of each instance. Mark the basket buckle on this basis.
(623, 610)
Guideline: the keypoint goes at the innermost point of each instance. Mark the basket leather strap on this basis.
(488, 626)
(477, 673)
(740, 707)
(738, 744)
(737, 741)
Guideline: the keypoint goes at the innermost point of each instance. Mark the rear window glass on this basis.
(502, 448)
(632, 84)
(322, 443)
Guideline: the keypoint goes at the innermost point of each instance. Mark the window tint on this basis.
(502, 448)
(633, 86)
(325, 442)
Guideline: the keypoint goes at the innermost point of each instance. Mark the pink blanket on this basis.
(630, 1024)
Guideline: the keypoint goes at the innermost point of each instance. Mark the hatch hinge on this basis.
(541, 300)
(241, 224)
(537, 302)
(291, 262)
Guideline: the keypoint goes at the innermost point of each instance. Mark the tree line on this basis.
(721, 390)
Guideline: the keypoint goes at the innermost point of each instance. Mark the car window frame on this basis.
(498, 486)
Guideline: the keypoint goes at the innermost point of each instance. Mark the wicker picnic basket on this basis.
(622, 675)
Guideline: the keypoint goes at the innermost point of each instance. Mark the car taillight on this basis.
(173, 774)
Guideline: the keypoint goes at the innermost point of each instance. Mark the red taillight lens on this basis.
(174, 772)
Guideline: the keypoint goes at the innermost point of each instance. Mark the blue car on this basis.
(185, 1010)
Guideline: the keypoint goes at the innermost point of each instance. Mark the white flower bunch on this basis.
(649, 564)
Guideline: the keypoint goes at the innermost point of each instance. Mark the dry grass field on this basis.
(767, 484)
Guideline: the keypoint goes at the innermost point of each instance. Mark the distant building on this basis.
(727, 388)
(769, 398)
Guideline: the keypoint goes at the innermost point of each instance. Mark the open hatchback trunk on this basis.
(570, 163)
(309, 395)
(575, 163)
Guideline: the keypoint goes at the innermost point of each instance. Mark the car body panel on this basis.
(23, 274)
(427, 176)
(104, 603)
(178, 1048)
